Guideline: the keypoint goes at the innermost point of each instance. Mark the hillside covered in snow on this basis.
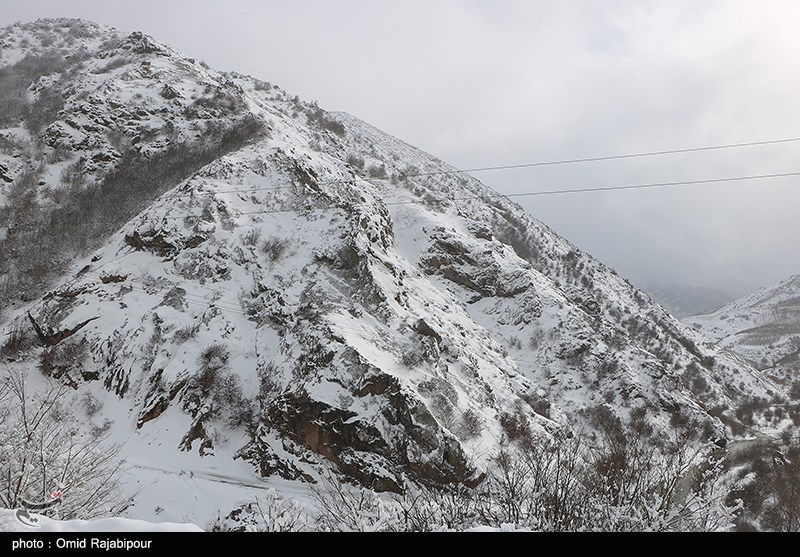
(243, 291)
(763, 327)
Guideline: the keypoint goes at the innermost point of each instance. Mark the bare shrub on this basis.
(113, 64)
(321, 119)
(44, 110)
(434, 509)
(19, 340)
(186, 332)
(345, 508)
(269, 512)
(782, 512)
(516, 427)
(748, 408)
(64, 360)
(212, 361)
(217, 381)
(274, 248)
(355, 161)
(376, 171)
(252, 237)
(91, 404)
(15, 80)
(279, 515)
(59, 153)
(42, 242)
(471, 424)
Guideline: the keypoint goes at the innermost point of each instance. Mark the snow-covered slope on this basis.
(764, 326)
(320, 295)
(32, 523)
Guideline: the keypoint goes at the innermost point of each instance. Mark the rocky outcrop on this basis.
(402, 438)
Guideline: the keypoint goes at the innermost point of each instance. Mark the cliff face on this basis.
(261, 280)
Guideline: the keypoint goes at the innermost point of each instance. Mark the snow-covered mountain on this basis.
(252, 289)
(763, 326)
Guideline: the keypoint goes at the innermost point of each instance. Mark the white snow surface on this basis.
(34, 523)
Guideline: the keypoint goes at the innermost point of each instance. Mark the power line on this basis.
(657, 184)
(452, 199)
(521, 165)
(526, 194)
(617, 157)
(617, 188)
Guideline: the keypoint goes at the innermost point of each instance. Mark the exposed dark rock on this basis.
(50, 338)
(470, 267)
(65, 293)
(140, 43)
(4, 174)
(169, 92)
(175, 298)
(154, 242)
(194, 241)
(106, 279)
(424, 329)
(260, 453)
(197, 432)
(411, 442)
(154, 412)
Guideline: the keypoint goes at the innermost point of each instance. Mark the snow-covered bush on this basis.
(267, 513)
(345, 508)
(274, 248)
(213, 360)
(217, 383)
(15, 80)
(19, 340)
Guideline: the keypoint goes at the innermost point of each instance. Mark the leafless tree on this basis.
(638, 484)
(782, 513)
(44, 454)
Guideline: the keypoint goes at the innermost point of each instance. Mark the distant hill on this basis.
(683, 300)
(763, 326)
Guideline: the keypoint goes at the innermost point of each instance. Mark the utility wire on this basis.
(522, 165)
(506, 167)
(450, 199)
(614, 157)
(522, 194)
(641, 186)
(659, 184)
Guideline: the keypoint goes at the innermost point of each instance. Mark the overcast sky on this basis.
(494, 82)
